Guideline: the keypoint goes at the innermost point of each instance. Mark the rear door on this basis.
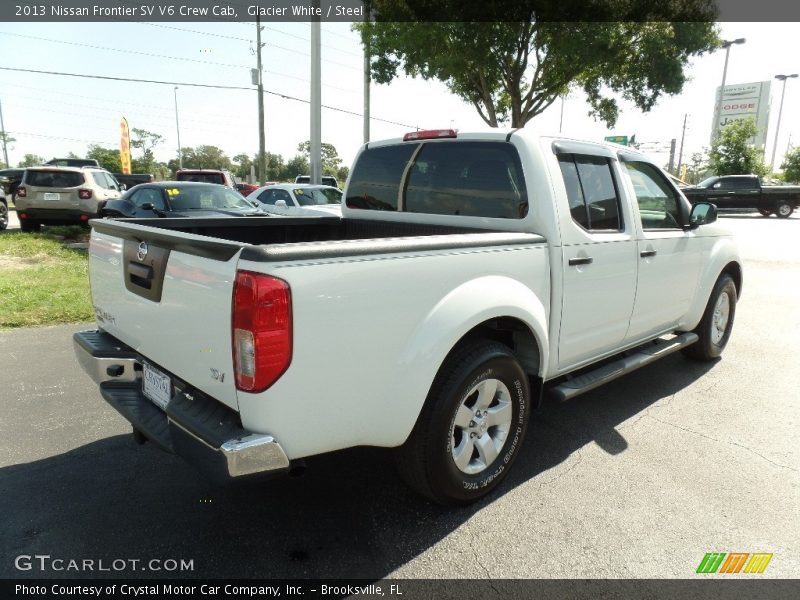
(598, 257)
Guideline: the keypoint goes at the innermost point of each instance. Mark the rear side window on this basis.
(591, 191)
(475, 179)
(54, 179)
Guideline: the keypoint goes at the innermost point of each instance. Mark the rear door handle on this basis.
(580, 261)
(647, 253)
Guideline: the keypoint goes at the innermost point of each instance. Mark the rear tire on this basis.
(471, 426)
(3, 215)
(30, 227)
(715, 327)
(784, 210)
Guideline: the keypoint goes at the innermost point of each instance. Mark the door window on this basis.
(591, 192)
(658, 202)
(142, 197)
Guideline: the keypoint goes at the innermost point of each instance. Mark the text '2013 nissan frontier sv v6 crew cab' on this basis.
(469, 273)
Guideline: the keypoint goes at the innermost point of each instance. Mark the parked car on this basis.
(72, 162)
(9, 180)
(326, 180)
(299, 199)
(245, 189)
(218, 176)
(130, 180)
(746, 193)
(180, 199)
(3, 210)
(470, 274)
(63, 195)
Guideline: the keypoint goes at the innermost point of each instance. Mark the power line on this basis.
(202, 85)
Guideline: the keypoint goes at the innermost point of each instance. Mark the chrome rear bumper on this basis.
(204, 432)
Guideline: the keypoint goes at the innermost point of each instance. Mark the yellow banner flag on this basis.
(124, 146)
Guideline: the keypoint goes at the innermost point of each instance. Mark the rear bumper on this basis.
(57, 216)
(204, 432)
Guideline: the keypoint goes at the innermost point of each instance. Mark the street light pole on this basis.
(718, 115)
(780, 111)
(178, 129)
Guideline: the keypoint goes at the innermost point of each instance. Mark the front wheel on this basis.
(3, 215)
(784, 210)
(471, 426)
(715, 327)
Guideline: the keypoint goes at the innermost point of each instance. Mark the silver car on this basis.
(63, 195)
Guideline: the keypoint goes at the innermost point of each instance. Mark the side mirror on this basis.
(703, 213)
(147, 206)
(280, 203)
(122, 187)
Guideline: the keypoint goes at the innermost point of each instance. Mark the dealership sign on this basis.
(744, 101)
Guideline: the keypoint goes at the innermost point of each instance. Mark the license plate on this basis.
(156, 386)
(52, 196)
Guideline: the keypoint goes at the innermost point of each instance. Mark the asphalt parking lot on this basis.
(639, 479)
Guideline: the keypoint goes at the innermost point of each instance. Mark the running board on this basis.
(640, 357)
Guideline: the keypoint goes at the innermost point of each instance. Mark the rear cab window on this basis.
(200, 177)
(466, 178)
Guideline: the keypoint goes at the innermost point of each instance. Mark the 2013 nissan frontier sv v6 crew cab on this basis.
(469, 273)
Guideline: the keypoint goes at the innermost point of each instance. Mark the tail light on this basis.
(22, 192)
(430, 134)
(85, 194)
(22, 215)
(262, 330)
(84, 217)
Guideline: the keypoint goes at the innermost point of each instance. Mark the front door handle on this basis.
(647, 253)
(580, 261)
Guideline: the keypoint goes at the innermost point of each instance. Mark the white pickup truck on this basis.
(469, 275)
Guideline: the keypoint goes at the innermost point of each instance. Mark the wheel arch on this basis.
(723, 259)
(497, 308)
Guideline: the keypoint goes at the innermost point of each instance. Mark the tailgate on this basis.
(168, 296)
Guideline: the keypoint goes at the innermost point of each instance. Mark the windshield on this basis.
(706, 183)
(205, 198)
(317, 196)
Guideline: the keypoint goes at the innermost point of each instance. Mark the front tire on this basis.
(715, 327)
(784, 210)
(471, 426)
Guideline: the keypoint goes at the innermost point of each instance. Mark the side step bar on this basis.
(642, 356)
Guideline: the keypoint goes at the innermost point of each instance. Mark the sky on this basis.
(52, 115)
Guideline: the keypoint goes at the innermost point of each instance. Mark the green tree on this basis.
(330, 157)
(791, 166)
(732, 152)
(512, 71)
(296, 166)
(697, 167)
(30, 160)
(109, 159)
(202, 157)
(243, 163)
(145, 141)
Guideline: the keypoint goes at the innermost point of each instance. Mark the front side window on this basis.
(658, 202)
(591, 192)
(148, 196)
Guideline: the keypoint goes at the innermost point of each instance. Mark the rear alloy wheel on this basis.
(784, 210)
(3, 215)
(471, 427)
(764, 212)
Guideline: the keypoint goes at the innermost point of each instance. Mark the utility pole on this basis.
(683, 136)
(316, 104)
(3, 128)
(367, 78)
(178, 129)
(671, 168)
(780, 112)
(262, 153)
